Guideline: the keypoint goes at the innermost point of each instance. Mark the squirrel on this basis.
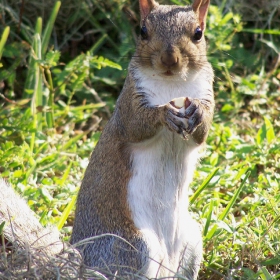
(132, 217)
(133, 201)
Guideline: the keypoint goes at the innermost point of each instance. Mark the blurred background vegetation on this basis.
(62, 67)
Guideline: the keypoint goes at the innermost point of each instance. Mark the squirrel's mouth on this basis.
(168, 73)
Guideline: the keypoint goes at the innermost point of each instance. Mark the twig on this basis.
(98, 99)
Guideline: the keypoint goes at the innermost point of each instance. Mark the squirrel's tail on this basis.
(22, 226)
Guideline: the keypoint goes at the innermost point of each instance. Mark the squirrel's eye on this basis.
(144, 32)
(197, 34)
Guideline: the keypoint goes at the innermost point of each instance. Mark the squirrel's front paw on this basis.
(174, 119)
(184, 115)
(193, 113)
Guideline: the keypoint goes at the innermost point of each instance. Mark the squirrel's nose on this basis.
(169, 59)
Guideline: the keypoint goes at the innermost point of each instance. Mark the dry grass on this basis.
(18, 262)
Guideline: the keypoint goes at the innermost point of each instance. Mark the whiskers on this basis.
(219, 61)
(216, 59)
(148, 56)
(145, 51)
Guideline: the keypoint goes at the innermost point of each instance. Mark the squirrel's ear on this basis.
(200, 7)
(145, 7)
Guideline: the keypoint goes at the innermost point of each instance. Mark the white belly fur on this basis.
(162, 169)
(158, 198)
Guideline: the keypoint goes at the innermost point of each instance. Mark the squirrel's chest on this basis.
(159, 92)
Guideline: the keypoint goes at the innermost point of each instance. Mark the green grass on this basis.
(55, 100)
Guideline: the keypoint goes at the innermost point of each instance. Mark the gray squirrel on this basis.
(134, 195)
(132, 219)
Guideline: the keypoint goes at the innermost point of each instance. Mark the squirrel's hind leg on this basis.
(111, 255)
(192, 253)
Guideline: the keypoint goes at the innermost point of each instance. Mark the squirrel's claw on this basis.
(194, 115)
(175, 120)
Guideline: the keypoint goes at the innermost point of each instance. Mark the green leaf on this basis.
(17, 173)
(261, 135)
(65, 175)
(274, 261)
(226, 18)
(99, 62)
(227, 108)
(224, 226)
(45, 194)
(52, 58)
(43, 216)
(270, 135)
(266, 132)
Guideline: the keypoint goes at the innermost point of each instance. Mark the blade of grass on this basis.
(1, 227)
(209, 216)
(262, 31)
(45, 42)
(66, 212)
(44, 214)
(73, 140)
(49, 28)
(50, 113)
(30, 79)
(223, 215)
(98, 44)
(37, 100)
(264, 274)
(39, 26)
(65, 175)
(4, 38)
(29, 172)
(203, 185)
(234, 198)
(33, 83)
(86, 107)
(4, 256)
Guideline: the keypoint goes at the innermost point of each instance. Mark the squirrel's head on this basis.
(171, 43)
